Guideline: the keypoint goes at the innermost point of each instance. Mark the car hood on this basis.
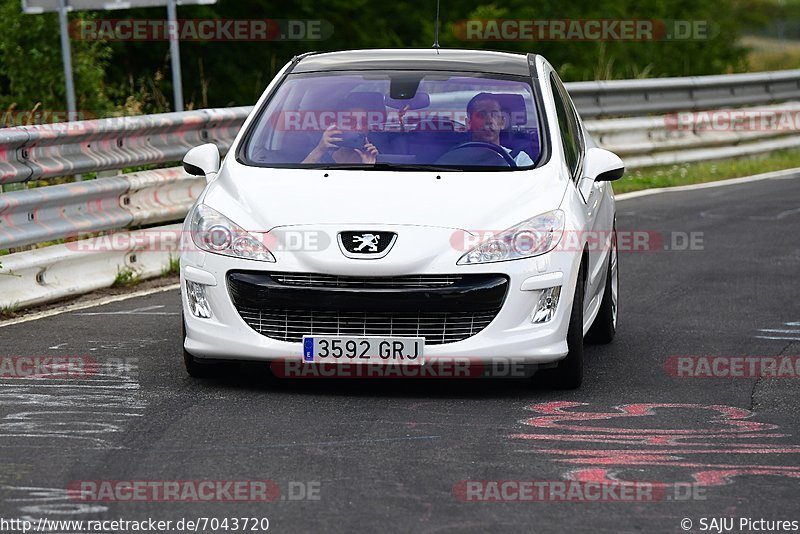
(261, 199)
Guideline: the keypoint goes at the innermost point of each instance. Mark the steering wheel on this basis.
(491, 146)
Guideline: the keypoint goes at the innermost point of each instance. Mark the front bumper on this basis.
(511, 335)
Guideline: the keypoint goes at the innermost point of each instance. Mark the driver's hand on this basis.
(330, 137)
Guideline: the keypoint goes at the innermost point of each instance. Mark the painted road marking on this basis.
(88, 304)
(86, 414)
(778, 217)
(725, 430)
(790, 334)
(147, 310)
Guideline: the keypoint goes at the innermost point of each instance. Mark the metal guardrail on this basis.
(165, 195)
(53, 150)
(61, 271)
(46, 151)
(669, 139)
(663, 95)
(66, 211)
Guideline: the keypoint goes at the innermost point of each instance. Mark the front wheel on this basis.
(198, 369)
(605, 324)
(568, 374)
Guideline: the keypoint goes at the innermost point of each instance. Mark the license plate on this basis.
(375, 350)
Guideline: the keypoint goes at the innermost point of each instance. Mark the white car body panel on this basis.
(426, 209)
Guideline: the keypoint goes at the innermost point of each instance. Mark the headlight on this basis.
(213, 232)
(530, 238)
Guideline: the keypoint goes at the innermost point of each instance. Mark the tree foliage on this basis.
(31, 70)
(135, 75)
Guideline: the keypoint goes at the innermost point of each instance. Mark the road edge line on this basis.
(88, 304)
(773, 175)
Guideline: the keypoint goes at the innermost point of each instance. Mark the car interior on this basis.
(406, 131)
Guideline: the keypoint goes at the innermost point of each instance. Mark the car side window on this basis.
(569, 127)
(575, 125)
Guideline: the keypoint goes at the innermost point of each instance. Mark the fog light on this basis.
(198, 304)
(546, 308)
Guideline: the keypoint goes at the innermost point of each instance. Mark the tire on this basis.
(197, 369)
(605, 324)
(568, 374)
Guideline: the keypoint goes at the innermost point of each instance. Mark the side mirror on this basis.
(202, 160)
(602, 165)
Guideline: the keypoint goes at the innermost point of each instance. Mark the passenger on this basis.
(350, 146)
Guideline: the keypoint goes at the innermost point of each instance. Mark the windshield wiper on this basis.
(386, 167)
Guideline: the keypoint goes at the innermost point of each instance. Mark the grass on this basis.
(10, 311)
(707, 171)
(127, 277)
(172, 268)
(767, 53)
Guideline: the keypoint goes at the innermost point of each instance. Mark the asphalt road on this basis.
(390, 456)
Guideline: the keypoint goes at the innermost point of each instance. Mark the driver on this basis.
(485, 120)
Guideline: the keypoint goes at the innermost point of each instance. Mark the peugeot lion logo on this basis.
(366, 245)
(367, 240)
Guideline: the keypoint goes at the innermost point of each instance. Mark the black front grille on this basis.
(331, 280)
(440, 308)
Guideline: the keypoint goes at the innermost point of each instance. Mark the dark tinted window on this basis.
(405, 118)
(568, 125)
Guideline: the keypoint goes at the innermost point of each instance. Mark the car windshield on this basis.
(405, 120)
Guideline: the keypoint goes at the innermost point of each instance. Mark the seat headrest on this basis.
(514, 106)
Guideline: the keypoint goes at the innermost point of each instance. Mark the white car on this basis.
(404, 207)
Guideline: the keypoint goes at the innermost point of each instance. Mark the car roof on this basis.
(418, 59)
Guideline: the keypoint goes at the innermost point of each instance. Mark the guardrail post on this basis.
(66, 54)
(175, 54)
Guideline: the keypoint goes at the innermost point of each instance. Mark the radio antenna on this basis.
(436, 31)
